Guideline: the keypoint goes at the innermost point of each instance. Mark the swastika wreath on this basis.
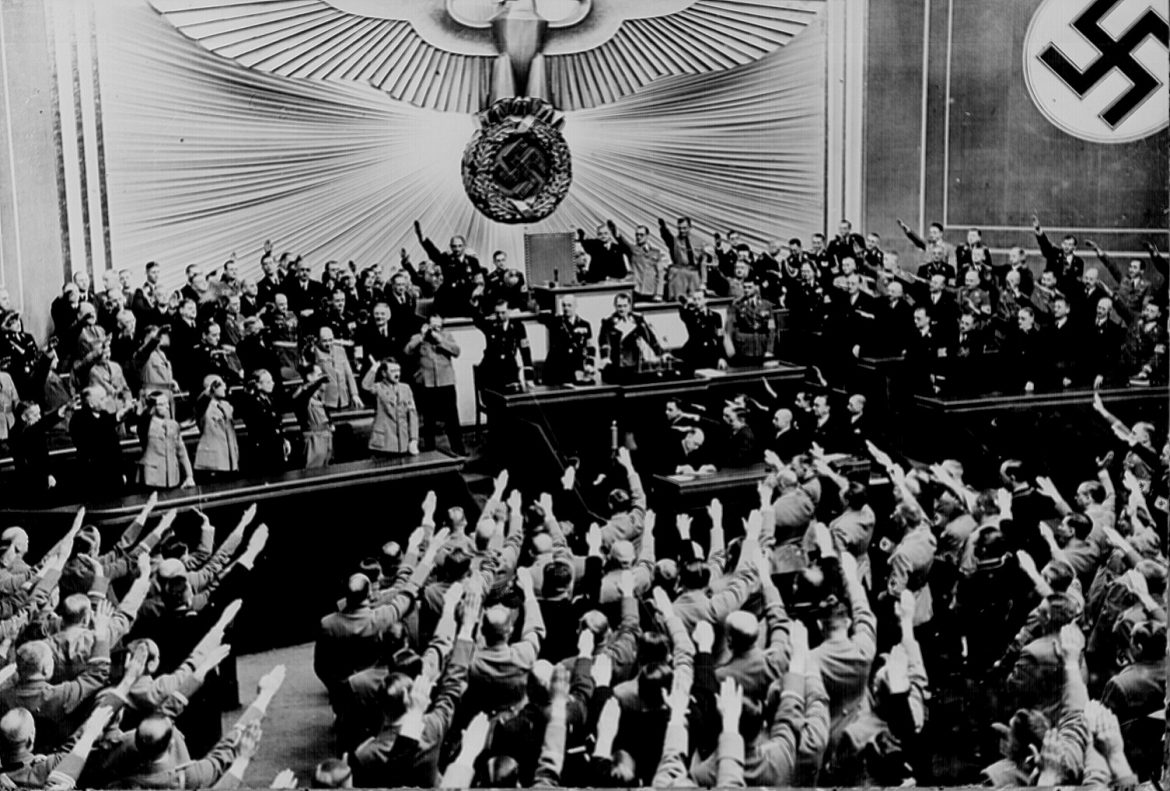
(517, 167)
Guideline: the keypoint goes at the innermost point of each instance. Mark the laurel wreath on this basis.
(499, 124)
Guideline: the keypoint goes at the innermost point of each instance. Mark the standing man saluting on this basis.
(571, 351)
(458, 267)
(433, 349)
(504, 340)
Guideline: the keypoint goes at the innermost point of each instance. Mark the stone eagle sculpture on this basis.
(518, 64)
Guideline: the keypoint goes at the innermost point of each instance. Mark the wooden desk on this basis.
(1027, 402)
(663, 317)
(547, 399)
(579, 420)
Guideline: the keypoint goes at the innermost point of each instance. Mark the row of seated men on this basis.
(957, 632)
(117, 663)
(696, 438)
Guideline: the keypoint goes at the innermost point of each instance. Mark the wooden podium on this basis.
(548, 257)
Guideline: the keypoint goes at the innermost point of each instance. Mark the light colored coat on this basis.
(395, 415)
(434, 359)
(8, 400)
(164, 461)
(340, 390)
(218, 448)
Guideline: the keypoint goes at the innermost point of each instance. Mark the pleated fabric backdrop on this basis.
(205, 158)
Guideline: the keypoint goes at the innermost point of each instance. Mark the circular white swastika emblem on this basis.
(1099, 69)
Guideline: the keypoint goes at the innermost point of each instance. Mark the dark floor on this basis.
(297, 729)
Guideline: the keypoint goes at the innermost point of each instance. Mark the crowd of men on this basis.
(841, 634)
(813, 642)
(115, 667)
(253, 349)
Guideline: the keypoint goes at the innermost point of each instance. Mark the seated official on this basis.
(786, 441)
(740, 448)
(686, 454)
(627, 342)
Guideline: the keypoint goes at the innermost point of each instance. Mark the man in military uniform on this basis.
(750, 333)
(624, 340)
(458, 267)
(846, 244)
(571, 351)
(647, 262)
(504, 338)
(938, 255)
(704, 346)
(818, 255)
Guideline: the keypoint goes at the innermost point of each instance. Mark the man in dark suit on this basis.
(146, 304)
(269, 284)
(1027, 359)
(786, 442)
(1068, 266)
(305, 295)
(1018, 263)
(967, 356)
(851, 321)
(942, 308)
(856, 429)
(686, 453)
(922, 358)
(404, 318)
(1084, 302)
(609, 256)
(1102, 340)
(894, 322)
(826, 431)
(740, 449)
(1065, 343)
(94, 430)
(376, 337)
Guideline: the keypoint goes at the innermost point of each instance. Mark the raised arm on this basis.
(914, 238)
(533, 630)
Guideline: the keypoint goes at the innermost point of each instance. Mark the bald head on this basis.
(75, 610)
(34, 661)
(357, 590)
(18, 730)
(16, 539)
(742, 630)
(153, 736)
(497, 623)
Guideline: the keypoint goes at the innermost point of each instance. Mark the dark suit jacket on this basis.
(1102, 349)
(787, 444)
(1067, 349)
(375, 345)
(944, 314)
(1027, 358)
(740, 449)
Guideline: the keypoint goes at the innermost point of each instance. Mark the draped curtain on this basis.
(205, 158)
